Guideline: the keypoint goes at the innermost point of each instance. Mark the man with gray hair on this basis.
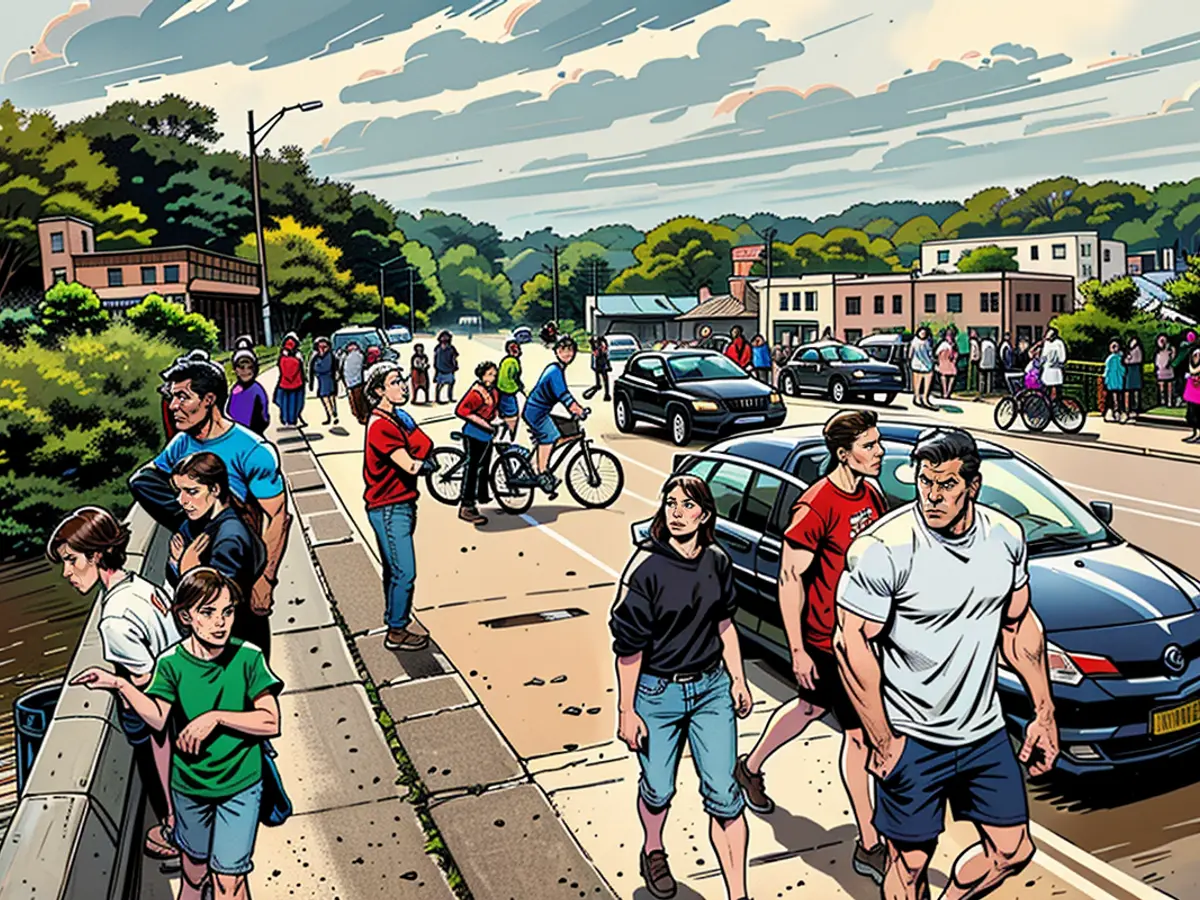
(938, 586)
(352, 364)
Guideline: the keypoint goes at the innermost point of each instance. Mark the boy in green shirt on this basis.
(508, 385)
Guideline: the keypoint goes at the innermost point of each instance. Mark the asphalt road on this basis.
(1145, 825)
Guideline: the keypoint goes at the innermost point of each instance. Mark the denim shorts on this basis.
(137, 732)
(509, 406)
(542, 427)
(982, 782)
(219, 832)
(701, 714)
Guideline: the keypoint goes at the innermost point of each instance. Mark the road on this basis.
(550, 687)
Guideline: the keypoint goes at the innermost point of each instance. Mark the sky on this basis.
(576, 113)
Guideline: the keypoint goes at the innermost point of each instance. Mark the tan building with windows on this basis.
(222, 288)
(795, 310)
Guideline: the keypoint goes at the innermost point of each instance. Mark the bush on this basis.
(1087, 331)
(160, 318)
(75, 420)
(69, 308)
(15, 324)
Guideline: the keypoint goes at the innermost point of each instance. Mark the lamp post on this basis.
(412, 316)
(257, 136)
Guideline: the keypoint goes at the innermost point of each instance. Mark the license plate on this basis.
(746, 420)
(1166, 721)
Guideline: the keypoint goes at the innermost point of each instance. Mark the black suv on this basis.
(841, 372)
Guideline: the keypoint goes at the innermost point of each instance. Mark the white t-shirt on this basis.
(136, 624)
(944, 601)
(1054, 359)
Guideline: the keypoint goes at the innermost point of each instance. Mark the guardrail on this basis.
(77, 831)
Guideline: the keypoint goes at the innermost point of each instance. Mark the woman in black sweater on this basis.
(680, 677)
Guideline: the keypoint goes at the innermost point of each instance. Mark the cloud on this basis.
(557, 161)
(1015, 51)
(1047, 124)
(47, 53)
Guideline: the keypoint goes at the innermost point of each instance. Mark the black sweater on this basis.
(669, 608)
(233, 550)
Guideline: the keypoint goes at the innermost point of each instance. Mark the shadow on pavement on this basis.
(500, 522)
(1110, 790)
(683, 893)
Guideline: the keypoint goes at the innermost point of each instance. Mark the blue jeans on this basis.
(219, 832)
(394, 526)
(700, 713)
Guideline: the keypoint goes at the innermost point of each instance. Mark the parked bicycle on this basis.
(593, 476)
(1036, 408)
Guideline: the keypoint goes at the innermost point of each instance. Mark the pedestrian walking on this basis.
(680, 678)
(987, 365)
(445, 364)
(1054, 364)
(322, 376)
(920, 362)
(1134, 357)
(248, 404)
(932, 594)
(222, 698)
(419, 374)
(826, 520)
(508, 386)
(1021, 355)
(1179, 363)
(478, 409)
(779, 359)
(739, 348)
(136, 627)
(1163, 372)
(1191, 396)
(395, 455)
(947, 363)
(974, 357)
(1114, 382)
(352, 366)
(760, 359)
(549, 335)
(289, 392)
(600, 369)
(1033, 369)
(1006, 354)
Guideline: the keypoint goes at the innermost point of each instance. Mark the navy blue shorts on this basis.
(508, 405)
(982, 782)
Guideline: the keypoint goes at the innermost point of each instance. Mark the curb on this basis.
(1086, 871)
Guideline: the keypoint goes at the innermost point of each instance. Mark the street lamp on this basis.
(412, 316)
(257, 136)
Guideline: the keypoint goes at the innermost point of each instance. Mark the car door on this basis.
(657, 385)
(769, 558)
(805, 365)
(638, 385)
(729, 483)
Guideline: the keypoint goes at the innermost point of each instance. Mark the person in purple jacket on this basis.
(248, 399)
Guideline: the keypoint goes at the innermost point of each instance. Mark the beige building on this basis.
(794, 310)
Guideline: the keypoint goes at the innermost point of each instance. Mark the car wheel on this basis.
(680, 426)
(787, 385)
(837, 390)
(623, 414)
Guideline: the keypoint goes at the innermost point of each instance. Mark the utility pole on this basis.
(553, 251)
(763, 314)
(382, 303)
(412, 309)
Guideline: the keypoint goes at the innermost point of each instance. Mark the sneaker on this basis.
(471, 514)
(871, 863)
(657, 875)
(548, 482)
(753, 788)
(403, 639)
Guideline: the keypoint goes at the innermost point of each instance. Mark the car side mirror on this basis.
(1102, 511)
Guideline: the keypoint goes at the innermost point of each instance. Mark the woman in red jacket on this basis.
(739, 348)
(289, 393)
(478, 409)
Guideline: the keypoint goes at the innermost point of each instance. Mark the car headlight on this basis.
(705, 406)
(775, 398)
(859, 373)
(1072, 668)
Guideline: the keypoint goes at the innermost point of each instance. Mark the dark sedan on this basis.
(841, 372)
(1122, 626)
(692, 391)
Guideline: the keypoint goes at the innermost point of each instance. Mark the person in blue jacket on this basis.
(550, 390)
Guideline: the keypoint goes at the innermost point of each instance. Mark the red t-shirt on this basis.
(386, 482)
(739, 351)
(479, 401)
(825, 521)
(291, 373)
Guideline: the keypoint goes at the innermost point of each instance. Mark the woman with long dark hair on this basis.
(680, 677)
(478, 409)
(216, 533)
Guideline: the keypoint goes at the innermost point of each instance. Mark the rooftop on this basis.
(643, 305)
(724, 306)
(1043, 236)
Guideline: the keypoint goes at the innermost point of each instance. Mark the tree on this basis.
(1116, 297)
(678, 258)
(1087, 331)
(157, 317)
(1185, 290)
(440, 231)
(71, 308)
(989, 258)
(471, 288)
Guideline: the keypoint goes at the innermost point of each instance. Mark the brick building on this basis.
(222, 288)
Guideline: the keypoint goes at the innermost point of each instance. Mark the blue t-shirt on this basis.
(1114, 372)
(251, 460)
(761, 356)
(551, 388)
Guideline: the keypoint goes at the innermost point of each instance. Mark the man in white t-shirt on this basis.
(937, 587)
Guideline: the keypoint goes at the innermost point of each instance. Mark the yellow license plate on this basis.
(1166, 721)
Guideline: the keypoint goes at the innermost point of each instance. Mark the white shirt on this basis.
(1054, 358)
(136, 624)
(945, 602)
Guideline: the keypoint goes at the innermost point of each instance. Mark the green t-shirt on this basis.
(229, 761)
(508, 379)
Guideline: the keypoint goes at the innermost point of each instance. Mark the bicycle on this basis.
(593, 476)
(1036, 408)
(445, 483)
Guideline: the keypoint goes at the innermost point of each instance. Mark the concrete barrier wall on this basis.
(77, 832)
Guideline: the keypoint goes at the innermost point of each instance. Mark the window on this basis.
(897, 304)
(995, 301)
(1058, 303)
(783, 301)
(701, 468)
(694, 367)
(1020, 302)
(853, 334)
(116, 278)
(728, 487)
(943, 257)
(954, 303)
(1037, 332)
(796, 302)
(812, 465)
(1085, 250)
(879, 305)
(645, 368)
(1108, 254)
(171, 274)
(56, 242)
(59, 275)
(1087, 270)
(829, 354)
(854, 306)
(1037, 302)
(1033, 252)
(931, 303)
(759, 501)
(810, 356)
(783, 510)
(985, 302)
(1058, 251)
(810, 301)
(149, 275)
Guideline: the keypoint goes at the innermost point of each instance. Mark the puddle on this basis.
(550, 615)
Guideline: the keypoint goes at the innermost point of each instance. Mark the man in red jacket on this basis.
(739, 348)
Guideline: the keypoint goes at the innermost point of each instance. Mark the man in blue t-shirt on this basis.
(197, 389)
(550, 390)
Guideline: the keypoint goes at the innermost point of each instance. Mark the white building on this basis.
(1083, 255)
(795, 310)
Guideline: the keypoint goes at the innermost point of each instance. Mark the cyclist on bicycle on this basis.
(551, 389)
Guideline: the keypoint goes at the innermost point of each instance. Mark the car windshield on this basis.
(852, 354)
(703, 368)
(363, 339)
(1051, 518)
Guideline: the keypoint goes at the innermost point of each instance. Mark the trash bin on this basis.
(32, 713)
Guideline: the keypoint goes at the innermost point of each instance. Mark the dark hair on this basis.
(482, 368)
(843, 429)
(444, 334)
(939, 445)
(736, 331)
(210, 470)
(89, 530)
(198, 586)
(565, 341)
(204, 374)
(694, 489)
(510, 344)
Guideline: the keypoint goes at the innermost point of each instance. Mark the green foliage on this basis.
(15, 324)
(471, 289)
(1185, 290)
(1087, 331)
(988, 258)
(75, 420)
(71, 308)
(678, 258)
(160, 318)
(1116, 298)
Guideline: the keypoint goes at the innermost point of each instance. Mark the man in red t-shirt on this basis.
(829, 515)
(393, 459)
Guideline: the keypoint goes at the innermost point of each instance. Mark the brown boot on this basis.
(753, 787)
(403, 639)
(657, 875)
(471, 514)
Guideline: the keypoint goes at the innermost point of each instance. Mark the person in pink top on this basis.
(1191, 395)
(947, 362)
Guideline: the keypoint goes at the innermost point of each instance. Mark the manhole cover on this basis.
(549, 615)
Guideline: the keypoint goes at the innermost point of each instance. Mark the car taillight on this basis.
(1072, 668)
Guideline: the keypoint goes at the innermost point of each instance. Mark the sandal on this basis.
(159, 845)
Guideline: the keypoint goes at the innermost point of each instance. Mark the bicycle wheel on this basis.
(446, 484)
(1035, 411)
(510, 467)
(599, 487)
(1069, 415)
(1006, 413)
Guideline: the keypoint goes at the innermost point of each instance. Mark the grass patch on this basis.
(1173, 412)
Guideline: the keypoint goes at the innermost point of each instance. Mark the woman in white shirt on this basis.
(1054, 361)
(920, 363)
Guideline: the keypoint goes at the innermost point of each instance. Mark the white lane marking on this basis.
(574, 548)
(625, 492)
(1102, 869)
(1150, 515)
(1092, 490)
(639, 463)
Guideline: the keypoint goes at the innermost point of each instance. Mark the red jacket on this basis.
(739, 351)
(291, 373)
